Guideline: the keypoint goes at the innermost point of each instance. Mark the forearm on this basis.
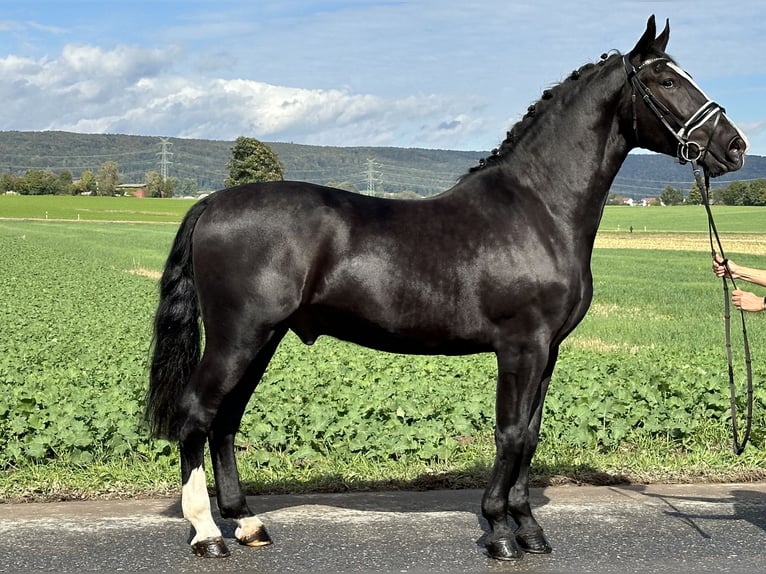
(756, 276)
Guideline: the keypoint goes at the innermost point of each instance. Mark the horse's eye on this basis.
(667, 83)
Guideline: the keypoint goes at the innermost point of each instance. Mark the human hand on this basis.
(747, 301)
(719, 267)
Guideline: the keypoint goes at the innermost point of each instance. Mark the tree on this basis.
(695, 195)
(757, 191)
(38, 182)
(252, 161)
(733, 194)
(156, 186)
(87, 183)
(108, 178)
(186, 186)
(671, 196)
(8, 182)
(65, 182)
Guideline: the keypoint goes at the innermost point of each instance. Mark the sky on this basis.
(443, 74)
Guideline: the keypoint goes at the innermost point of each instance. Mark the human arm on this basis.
(749, 274)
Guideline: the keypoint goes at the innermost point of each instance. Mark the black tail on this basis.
(176, 345)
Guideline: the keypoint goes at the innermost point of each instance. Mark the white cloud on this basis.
(130, 90)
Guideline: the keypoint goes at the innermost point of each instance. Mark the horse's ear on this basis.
(645, 43)
(662, 40)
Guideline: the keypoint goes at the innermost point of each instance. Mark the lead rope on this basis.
(737, 446)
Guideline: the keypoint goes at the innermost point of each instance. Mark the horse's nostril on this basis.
(737, 147)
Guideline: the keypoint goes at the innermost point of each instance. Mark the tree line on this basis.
(250, 161)
(736, 193)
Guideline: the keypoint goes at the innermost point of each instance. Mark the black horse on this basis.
(498, 263)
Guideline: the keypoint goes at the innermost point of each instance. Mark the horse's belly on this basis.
(310, 323)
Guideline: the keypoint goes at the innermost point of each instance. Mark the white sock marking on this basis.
(195, 504)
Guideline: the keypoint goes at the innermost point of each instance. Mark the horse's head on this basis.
(670, 114)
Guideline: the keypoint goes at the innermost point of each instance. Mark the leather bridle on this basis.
(688, 150)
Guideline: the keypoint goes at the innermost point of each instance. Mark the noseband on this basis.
(688, 151)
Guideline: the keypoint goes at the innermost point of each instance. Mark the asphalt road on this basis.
(675, 528)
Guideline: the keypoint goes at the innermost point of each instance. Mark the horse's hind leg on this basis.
(217, 374)
(231, 497)
(195, 502)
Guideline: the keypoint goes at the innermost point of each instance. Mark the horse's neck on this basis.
(572, 153)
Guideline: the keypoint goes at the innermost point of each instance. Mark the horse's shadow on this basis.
(427, 495)
(742, 504)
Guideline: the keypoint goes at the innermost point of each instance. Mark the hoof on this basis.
(533, 541)
(258, 538)
(211, 548)
(504, 549)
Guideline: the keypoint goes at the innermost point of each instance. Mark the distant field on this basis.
(741, 243)
(687, 219)
(617, 219)
(80, 208)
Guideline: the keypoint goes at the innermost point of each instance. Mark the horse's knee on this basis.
(493, 508)
(510, 443)
(194, 418)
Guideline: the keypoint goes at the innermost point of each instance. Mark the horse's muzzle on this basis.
(736, 152)
(718, 161)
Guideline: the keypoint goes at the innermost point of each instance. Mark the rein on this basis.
(692, 152)
(737, 446)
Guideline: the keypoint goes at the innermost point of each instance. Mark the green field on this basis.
(685, 219)
(640, 391)
(79, 208)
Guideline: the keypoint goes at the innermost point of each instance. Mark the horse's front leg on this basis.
(518, 391)
(529, 533)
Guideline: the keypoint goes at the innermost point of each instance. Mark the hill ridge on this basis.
(387, 169)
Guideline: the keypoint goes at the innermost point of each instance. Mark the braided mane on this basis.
(534, 111)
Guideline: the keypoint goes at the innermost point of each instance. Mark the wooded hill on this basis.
(384, 169)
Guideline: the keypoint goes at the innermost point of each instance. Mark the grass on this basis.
(657, 308)
(678, 219)
(642, 463)
(93, 208)
(682, 219)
